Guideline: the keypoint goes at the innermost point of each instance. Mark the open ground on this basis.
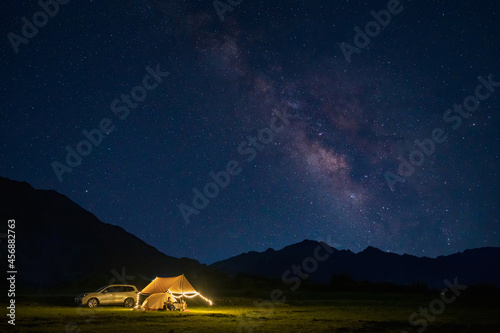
(340, 312)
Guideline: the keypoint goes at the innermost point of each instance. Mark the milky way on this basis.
(320, 177)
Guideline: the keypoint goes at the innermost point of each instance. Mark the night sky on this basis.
(303, 118)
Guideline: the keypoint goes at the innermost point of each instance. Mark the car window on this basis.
(118, 289)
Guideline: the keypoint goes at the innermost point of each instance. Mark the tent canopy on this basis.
(175, 285)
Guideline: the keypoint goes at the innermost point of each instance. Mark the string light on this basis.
(187, 295)
(191, 295)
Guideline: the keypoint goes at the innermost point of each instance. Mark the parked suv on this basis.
(123, 294)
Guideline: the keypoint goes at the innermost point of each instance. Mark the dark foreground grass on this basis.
(343, 313)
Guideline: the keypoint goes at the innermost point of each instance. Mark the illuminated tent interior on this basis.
(176, 287)
(156, 301)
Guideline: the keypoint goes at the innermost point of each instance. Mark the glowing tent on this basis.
(176, 287)
(156, 301)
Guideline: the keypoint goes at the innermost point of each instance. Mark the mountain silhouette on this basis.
(58, 244)
(61, 245)
(471, 267)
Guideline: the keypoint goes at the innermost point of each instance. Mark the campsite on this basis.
(162, 289)
(252, 304)
(303, 312)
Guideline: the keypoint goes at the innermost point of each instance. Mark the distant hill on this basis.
(471, 267)
(59, 244)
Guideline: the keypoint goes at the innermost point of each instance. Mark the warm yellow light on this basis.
(191, 295)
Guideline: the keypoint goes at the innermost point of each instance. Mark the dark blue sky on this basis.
(312, 133)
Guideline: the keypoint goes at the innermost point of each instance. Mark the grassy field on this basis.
(342, 313)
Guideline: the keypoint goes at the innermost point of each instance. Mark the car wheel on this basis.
(129, 302)
(92, 303)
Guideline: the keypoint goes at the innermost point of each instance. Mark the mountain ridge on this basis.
(59, 243)
(475, 266)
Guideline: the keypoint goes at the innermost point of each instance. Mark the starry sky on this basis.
(316, 123)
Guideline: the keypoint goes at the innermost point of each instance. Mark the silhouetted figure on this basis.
(170, 305)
